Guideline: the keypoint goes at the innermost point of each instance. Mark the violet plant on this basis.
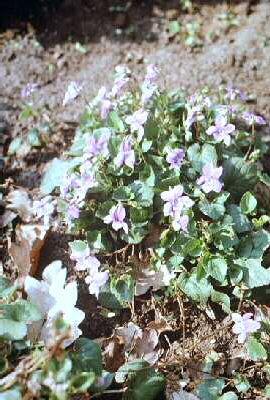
(184, 165)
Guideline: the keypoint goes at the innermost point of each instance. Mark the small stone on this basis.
(172, 14)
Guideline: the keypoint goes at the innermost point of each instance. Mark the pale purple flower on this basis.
(70, 182)
(244, 325)
(181, 223)
(233, 93)
(252, 119)
(209, 181)
(29, 89)
(116, 217)
(194, 114)
(105, 107)
(72, 92)
(175, 158)
(95, 280)
(121, 80)
(222, 130)
(73, 212)
(175, 205)
(149, 86)
(44, 208)
(84, 260)
(126, 155)
(152, 73)
(98, 146)
(137, 121)
(175, 202)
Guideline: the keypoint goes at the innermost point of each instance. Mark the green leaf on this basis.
(20, 311)
(248, 203)
(15, 145)
(140, 215)
(256, 350)
(215, 209)
(241, 383)
(222, 299)
(254, 274)
(147, 175)
(55, 174)
(228, 396)
(146, 388)
(12, 330)
(123, 289)
(254, 245)
(81, 382)
(131, 368)
(201, 156)
(239, 176)
(146, 145)
(78, 246)
(98, 240)
(217, 268)
(136, 234)
(198, 289)
(241, 221)
(104, 208)
(6, 288)
(116, 122)
(194, 247)
(143, 193)
(174, 28)
(33, 138)
(123, 193)
(210, 389)
(108, 300)
(87, 356)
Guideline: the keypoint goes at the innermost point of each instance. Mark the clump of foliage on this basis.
(147, 161)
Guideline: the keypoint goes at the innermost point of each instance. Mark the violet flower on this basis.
(73, 212)
(95, 280)
(137, 121)
(152, 73)
(29, 89)
(175, 158)
(209, 181)
(72, 92)
(116, 217)
(98, 146)
(222, 130)
(244, 325)
(175, 202)
(181, 223)
(126, 155)
(252, 119)
(105, 107)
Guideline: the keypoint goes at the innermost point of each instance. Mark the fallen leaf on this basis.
(129, 334)
(25, 251)
(155, 279)
(145, 346)
(20, 202)
(182, 395)
(114, 353)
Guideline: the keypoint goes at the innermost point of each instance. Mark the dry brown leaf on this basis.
(145, 346)
(114, 353)
(129, 333)
(20, 202)
(25, 252)
(155, 279)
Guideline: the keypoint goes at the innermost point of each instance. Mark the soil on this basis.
(83, 41)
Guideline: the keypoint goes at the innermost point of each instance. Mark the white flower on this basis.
(44, 208)
(72, 92)
(55, 299)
